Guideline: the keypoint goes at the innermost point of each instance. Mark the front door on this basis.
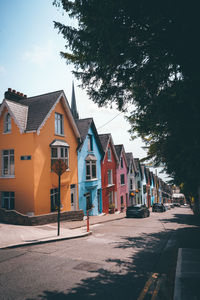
(73, 197)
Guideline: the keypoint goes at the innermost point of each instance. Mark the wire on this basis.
(113, 118)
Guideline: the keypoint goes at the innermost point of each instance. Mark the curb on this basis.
(46, 241)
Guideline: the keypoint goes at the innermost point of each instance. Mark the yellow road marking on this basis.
(155, 292)
(147, 286)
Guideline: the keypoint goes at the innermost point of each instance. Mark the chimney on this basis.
(13, 95)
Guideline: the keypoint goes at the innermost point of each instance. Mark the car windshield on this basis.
(135, 207)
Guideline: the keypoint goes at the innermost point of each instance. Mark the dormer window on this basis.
(90, 143)
(59, 128)
(7, 123)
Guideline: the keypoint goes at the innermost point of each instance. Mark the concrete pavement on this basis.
(17, 235)
(188, 262)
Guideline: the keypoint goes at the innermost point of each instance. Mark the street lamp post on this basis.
(59, 167)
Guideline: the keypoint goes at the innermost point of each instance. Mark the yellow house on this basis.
(34, 132)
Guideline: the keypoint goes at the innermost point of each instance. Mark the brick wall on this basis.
(14, 217)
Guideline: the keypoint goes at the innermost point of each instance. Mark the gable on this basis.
(17, 112)
(31, 114)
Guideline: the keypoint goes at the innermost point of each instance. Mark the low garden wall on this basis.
(14, 217)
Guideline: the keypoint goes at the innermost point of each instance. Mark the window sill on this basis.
(110, 185)
(8, 177)
(8, 132)
(57, 134)
(93, 179)
(67, 170)
(122, 184)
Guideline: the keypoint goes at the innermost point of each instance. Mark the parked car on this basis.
(137, 211)
(158, 207)
(171, 205)
(177, 204)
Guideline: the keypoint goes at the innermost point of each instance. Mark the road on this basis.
(123, 259)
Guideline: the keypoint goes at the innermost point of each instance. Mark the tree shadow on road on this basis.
(127, 278)
(191, 220)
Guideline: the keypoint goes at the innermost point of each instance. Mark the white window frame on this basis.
(9, 197)
(7, 123)
(109, 154)
(59, 124)
(110, 177)
(60, 153)
(91, 169)
(10, 170)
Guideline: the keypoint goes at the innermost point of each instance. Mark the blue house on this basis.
(90, 153)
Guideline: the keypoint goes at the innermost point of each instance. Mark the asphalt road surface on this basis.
(123, 259)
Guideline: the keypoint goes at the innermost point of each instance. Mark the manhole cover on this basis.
(87, 266)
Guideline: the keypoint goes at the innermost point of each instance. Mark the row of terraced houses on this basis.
(37, 131)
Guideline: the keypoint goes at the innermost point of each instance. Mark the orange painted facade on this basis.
(33, 179)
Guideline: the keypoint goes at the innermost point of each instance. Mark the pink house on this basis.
(122, 183)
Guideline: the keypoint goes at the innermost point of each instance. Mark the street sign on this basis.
(59, 167)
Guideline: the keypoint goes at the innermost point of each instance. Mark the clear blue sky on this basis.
(30, 63)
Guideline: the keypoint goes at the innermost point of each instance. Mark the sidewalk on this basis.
(187, 275)
(16, 235)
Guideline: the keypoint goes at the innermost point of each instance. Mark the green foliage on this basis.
(145, 53)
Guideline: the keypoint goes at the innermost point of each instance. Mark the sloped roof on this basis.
(105, 139)
(130, 158)
(119, 149)
(83, 127)
(30, 114)
(38, 108)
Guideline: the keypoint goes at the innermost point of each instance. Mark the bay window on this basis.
(91, 169)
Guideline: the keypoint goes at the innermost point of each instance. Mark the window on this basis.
(144, 189)
(109, 154)
(60, 153)
(91, 169)
(8, 200)
(122, 200)
(90, 143)
(54, 199)
(110, 179)
(59, 124)
(131, 169)
(110, 197)
(121, 162)
(131, 184)
(122, 179)
(7, 123)
(8, 164)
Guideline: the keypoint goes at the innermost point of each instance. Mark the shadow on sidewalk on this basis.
(149, 256)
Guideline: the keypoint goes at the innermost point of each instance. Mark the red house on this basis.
(108, 173)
